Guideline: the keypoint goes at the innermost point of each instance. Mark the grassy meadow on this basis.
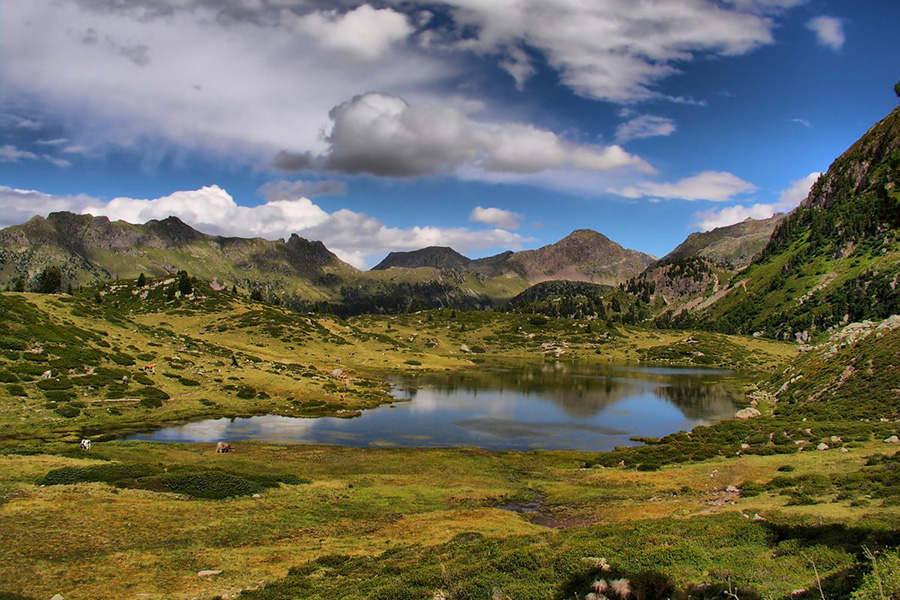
(741, 509)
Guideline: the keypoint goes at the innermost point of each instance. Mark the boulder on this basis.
(747, 413)
(822, 447)
(892, 440)
(209, 573)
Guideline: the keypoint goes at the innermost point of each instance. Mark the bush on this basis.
(246, 392)
(68, 411)
(59, 395)
(210, 485)
(59, 383)
(7, 377)
(106, 473)
(11, 344)
(16, 390)
(150, 402)
(152, 393)
(123, 359)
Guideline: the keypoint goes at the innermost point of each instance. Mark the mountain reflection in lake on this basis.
(546, 405)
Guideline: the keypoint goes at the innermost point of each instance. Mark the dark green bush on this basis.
(210, 485)
(122, 359)
(68, 411)
(15, 389)
(152, 393)
(7, 377)
(246, 392)
(58, 383)
(188, 382)
(142, 379)
(11, 344)
(59, 395)
(150, 402)
(107, 473)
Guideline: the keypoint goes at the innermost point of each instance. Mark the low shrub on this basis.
(150, 402)
(68, 411)
(7, 377)
(152, 393)
(16, 390)
(122, 359)
(210, 485)
(59, 395)
(106, 473)
(58, 383)
(246, 392)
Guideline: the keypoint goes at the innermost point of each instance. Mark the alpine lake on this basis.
(531, 406)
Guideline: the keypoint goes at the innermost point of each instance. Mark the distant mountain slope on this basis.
(834, 259)
(438, 257)
(88, 248)
(583, 255)
(733, 245)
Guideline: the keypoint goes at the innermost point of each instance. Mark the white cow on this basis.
(85, 444)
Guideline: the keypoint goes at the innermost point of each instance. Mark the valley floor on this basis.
(694, 519)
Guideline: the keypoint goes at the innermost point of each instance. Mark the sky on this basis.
(483, 125)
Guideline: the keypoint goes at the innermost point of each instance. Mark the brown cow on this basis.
(223, 447)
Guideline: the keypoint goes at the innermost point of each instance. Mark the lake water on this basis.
(538, 406)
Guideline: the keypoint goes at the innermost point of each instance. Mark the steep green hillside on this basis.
(835, 259)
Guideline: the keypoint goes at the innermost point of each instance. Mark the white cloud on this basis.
(216, 79)
(382, 134)
(247, 79)
(609, 49)
(788, 199)
(353, 236)
(716, 186)
(644, 126)
(829, 31)
(364, 32)
(504, 219)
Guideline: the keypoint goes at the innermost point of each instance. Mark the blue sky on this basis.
(484, 125)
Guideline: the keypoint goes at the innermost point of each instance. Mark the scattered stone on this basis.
(754, 403)
(209, 573)
(732, 490)
(747, 413)
(756, 517)
(845, 450)
(256, 496)
(745, 446)
(892, 440)
(822, 447)
(836, 439)
(464, 348)
(714, 473)
(46, 375)
(58, 597)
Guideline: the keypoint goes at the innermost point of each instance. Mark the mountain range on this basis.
(835, 258)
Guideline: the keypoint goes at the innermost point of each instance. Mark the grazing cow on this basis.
(150, 368)
(85, 444)
(223, 447)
